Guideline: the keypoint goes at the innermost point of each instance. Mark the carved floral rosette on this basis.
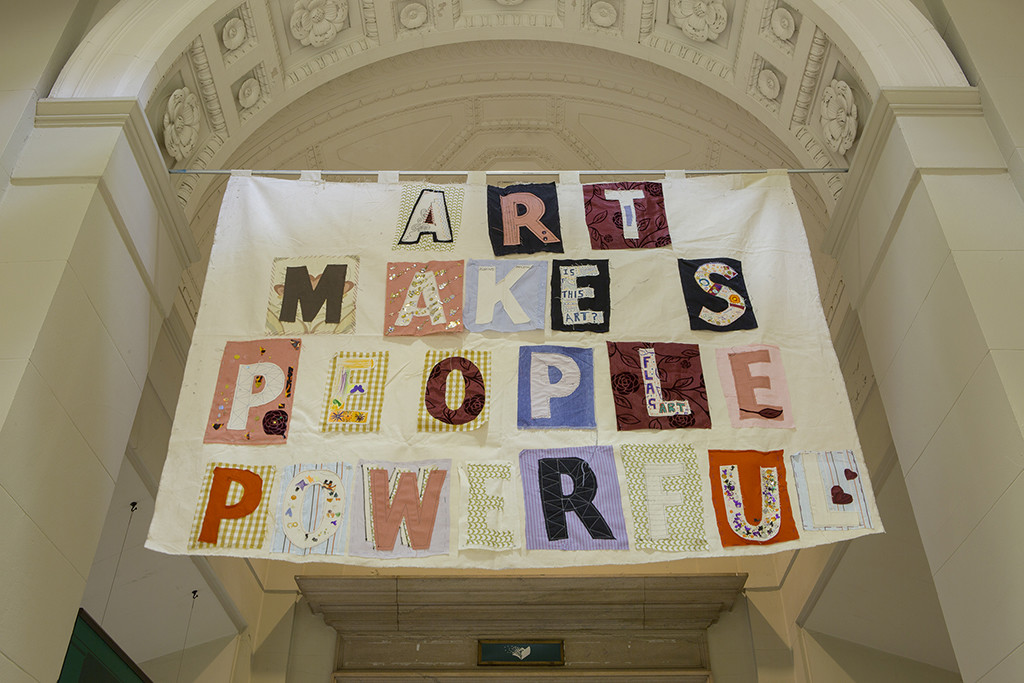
(413, 15)
(700, 20)
(838, 116)
(233, 34)
(181, 123)
(249, 93)
(317, 22)
(603, 14)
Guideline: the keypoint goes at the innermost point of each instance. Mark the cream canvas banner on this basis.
(535, 375)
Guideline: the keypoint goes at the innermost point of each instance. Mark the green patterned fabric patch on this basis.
(665, 497)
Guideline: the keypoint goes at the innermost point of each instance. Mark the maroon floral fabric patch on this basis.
(475, 393)
(626, 215)
(658, 386)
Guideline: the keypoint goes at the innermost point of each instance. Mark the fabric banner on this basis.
(529, 376)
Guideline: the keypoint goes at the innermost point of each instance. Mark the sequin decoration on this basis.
(423, 298)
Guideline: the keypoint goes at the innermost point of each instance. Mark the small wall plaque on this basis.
(521, 652)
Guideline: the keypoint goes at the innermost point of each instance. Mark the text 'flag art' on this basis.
(535, 375)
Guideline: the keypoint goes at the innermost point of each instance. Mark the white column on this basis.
(93, 246)
(929, 233)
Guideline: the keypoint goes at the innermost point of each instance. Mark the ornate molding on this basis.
(325, 60)
(207, 86)
(700, 20)
(318, 22)
(838, 116)
(488, 157)
(690, 54)
(764, 84)
(369, 14)
(413, 16)
(181, 124)
(233, 34)
(647, 10)
(809, 80)
(259, 74)
(602, 14)
(202, 160)
(314, 157)
(778, 26)
(821, 159)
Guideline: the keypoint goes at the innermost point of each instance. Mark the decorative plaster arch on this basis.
(149, 50)
(889, 41)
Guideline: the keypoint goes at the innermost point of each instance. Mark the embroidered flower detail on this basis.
(317, 22)
(181, 124)
(275, 422)
(474, 404)
(625, 383)
(700, 20)
(681, 421)
(839, 116)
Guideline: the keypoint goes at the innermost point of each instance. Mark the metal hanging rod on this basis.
(723, 171)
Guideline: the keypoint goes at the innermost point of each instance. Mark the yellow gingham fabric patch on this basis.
(245, 532)
(455, 391)
(354, 395)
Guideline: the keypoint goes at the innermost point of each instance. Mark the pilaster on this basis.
(93, 249)
(929, 240)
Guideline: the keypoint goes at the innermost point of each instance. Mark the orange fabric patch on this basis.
(748, 490)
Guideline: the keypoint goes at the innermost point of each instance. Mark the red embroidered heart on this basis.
(850, 474)
(840, 497)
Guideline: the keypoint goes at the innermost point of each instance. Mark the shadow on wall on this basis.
(840, 661)
(210, 661)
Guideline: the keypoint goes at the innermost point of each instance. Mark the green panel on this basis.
(537, 652)
(92, 657)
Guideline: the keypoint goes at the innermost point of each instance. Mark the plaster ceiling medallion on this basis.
(317, 22)
(181, 123)
(768, 84)
(249, 93)
(603, 13)
(783, 24)
(413, 15)
(838, 116)
(700, 20)
(233, 34)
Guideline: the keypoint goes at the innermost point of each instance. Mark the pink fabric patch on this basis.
(754, 383)
(423, 298)
(252, 403)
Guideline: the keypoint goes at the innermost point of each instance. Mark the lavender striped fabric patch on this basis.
(572, 499)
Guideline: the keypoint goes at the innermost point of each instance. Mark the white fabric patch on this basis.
(423, 284)
(659, 498)
(570, 294)
(542, 390)
(737, 305)
(656, 404)
(429, 216)
(625, 198)
(245, 398)
(333, 500)
(490, 292)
